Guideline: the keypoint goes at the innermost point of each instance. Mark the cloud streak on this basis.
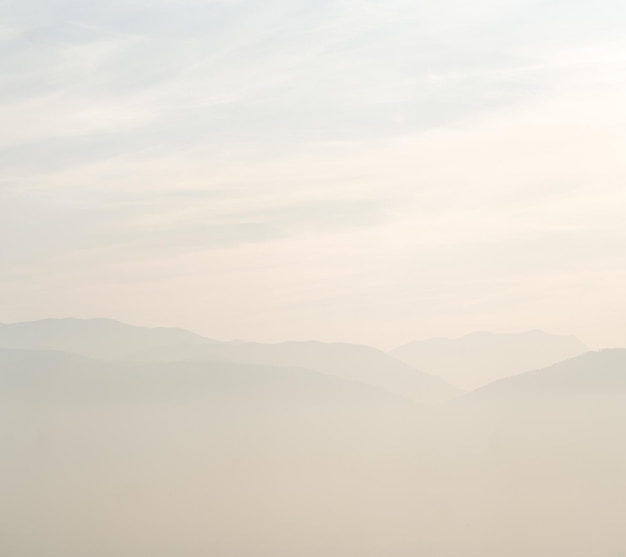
(344, 170)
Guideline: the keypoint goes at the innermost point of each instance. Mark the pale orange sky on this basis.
(364, 171)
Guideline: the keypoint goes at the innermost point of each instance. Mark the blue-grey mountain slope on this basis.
(107, 339)
(98, 338)
(135, 458)
(349, 361)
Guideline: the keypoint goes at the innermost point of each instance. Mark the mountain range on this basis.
(97, 338)
(173, 444)
(101, 338)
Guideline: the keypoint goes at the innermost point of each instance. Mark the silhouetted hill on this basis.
(57, 380)
(545, 451)
(348, 361)
(592, 374)
(74, 378)
(195, 455)
(480, 358)
(98, 338)
(108, 339)
(575, 408)
(578, 402)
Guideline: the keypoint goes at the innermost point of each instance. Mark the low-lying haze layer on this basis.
(205, 456)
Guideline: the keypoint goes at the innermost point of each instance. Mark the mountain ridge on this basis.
(114, 340)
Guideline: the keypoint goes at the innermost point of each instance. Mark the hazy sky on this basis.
(363, 170)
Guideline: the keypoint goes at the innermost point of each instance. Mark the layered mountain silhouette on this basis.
(101, 338)
(63, 379)
(348, 361)
(54, 380)
(480, 358)
(181, 449)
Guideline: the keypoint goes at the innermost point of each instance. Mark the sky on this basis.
(373, 171)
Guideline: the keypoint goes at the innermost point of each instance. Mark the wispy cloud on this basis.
(312, 161)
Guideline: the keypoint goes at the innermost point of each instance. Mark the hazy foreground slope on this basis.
(58, 380)
(550, 449)
(480, 358)
(190, 458)
(98, 338)
(591, 375)
(349, 361)
(135, 459)
(577, 405)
